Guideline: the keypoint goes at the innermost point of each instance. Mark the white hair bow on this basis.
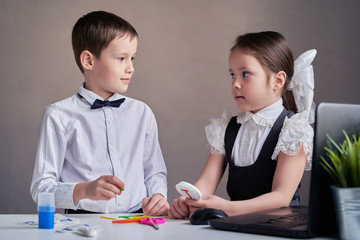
(302, 84)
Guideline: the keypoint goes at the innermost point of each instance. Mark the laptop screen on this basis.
(331, 119)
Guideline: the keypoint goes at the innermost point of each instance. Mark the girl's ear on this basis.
(279, 80)
(87, 60)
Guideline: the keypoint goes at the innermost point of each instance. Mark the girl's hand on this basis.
(209, 201)
(179, 208)
(103, 188)
(155, 205)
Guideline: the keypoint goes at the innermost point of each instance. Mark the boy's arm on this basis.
(154, 167)
(50, 159)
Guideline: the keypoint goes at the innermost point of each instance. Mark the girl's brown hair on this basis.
(273, 52)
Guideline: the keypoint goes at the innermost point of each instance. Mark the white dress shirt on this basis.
(295, 134)
(79, 144)
(255, 127)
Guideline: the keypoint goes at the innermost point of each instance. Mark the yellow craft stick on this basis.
(130, 220)
(140, 217)
(109, 218)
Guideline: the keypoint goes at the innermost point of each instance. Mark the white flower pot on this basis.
(347, 209)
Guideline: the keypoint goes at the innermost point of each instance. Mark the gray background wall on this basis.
(181, 70)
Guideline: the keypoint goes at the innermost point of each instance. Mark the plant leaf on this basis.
(343, 163)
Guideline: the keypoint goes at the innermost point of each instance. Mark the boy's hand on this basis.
(103, 188)
(155, 205)
(179, 208)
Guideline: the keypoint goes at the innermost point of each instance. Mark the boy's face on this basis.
(112, 71)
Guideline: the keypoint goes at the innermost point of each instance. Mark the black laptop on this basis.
(319, 217)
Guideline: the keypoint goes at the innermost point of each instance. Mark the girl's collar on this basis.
(265, 117)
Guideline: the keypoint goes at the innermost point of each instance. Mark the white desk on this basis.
(172, 229)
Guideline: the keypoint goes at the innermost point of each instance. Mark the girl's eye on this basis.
(232, 75)
(133, 58)
(245, 74)
(121, 59)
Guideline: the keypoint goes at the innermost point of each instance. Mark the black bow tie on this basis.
(99, 103)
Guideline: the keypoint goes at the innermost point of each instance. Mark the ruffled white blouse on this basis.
(295, 134)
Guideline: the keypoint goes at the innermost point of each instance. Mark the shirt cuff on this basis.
(158, 189)
(64, 196)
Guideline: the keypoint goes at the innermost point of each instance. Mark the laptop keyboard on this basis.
(288, 221)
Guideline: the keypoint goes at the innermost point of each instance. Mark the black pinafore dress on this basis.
(254, 180)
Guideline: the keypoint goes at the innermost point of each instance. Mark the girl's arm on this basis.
(287, 177)
(211, 174)
(207, 184)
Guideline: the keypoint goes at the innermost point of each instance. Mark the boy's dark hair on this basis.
(273, 52)
(95, 30)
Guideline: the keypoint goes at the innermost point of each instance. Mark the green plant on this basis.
(344, 164)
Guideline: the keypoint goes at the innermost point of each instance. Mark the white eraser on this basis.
(188, 190)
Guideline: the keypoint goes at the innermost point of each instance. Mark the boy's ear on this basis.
(279, 80)
(87, 60)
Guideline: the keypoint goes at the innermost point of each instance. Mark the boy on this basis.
(97, 143)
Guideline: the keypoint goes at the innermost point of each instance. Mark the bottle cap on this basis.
(46, 201)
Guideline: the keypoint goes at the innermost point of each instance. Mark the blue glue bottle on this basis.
(46, 210)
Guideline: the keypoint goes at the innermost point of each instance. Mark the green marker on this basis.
(132, 216)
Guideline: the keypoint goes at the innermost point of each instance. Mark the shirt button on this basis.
(119, 203)
(112, 148)
(109, 121)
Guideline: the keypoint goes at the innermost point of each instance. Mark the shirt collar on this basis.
(264, 117)
(90, 96)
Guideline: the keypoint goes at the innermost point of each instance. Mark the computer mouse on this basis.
(202, 215)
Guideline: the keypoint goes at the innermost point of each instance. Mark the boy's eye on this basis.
(245, 74)
(121, 58)
(232, 75)
(133, 58)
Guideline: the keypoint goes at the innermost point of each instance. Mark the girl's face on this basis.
(253, 88)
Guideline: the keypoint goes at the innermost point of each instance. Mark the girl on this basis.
(266, 146)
